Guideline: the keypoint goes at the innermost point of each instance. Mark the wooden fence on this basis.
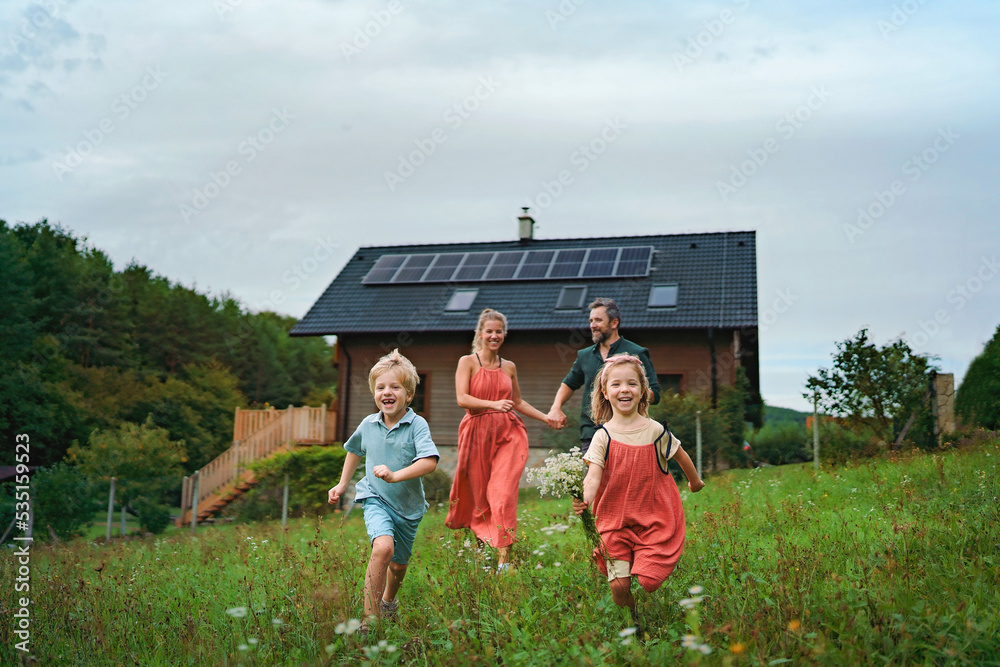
(257, 435)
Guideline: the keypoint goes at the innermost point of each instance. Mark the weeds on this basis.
(893, 561)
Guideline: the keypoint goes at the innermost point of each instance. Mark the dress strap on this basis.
(478, 359)
(656, 443)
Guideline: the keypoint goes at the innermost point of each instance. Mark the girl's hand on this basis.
(696, 486)
(383, 472)
(335, 493)
(506, 405)
(579, 506)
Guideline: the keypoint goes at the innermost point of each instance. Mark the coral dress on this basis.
(638, 513)
(492, 453)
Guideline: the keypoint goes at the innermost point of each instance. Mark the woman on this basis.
(492, 440)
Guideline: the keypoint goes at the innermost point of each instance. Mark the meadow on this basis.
(891, 561)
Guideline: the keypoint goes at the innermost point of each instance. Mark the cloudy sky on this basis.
(251, 146)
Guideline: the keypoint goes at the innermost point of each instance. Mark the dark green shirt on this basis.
(589, 361)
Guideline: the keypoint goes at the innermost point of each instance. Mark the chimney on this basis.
(526, 225)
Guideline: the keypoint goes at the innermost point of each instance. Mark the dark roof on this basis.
(716, 274)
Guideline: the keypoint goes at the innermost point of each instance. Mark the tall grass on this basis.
(893, 561)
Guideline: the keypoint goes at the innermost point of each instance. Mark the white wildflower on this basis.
(237, 612)
(695, 590)
(626, 632)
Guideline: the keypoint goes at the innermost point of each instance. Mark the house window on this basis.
(571, 298)
(461, 300)
(669, 384)
(419, 402)
(663, 296)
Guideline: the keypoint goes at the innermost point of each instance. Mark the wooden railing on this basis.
(274, 429)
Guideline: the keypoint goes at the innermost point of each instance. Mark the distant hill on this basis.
(775, 415)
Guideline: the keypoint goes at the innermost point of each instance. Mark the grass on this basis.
(891, 561)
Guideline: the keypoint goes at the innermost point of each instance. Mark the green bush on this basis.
(437, 487)
(65, 501)
(781, 443)
(977, 402)
(153, 517)
(839, 444)
(311, 472)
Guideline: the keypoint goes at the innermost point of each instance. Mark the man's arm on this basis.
(654, 383)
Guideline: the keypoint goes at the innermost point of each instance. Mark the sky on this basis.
(249, 147)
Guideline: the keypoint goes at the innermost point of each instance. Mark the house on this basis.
(690, 298)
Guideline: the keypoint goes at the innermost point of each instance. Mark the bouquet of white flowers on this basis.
(562, 475)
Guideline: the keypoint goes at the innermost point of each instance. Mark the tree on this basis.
(978, 398)
(143, 458)
(881, 387)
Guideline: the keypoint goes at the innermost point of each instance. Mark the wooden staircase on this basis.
(257, 434)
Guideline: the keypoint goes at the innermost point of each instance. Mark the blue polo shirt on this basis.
(408, 440)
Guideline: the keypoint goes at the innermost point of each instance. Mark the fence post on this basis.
(194, 501)
(111, 508)
(236, 460)
(815, 431)
(123, 520)
(284, 505)
(697, 422)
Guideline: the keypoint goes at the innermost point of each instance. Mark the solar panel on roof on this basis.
(600, 262)
(623, 262)
(384, 269)
(536, 264)
(413, 269)
(634, 261)
(474, 266)
(505, 265)
(567, 264)
(443, 266)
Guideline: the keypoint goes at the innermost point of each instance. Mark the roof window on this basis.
(571, 298)
(461, 300)
(663, 296)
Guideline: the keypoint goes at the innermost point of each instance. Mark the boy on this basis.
(398, 451)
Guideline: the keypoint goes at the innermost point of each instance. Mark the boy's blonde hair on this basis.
(600, 407)
(404, 369)
(488, 315)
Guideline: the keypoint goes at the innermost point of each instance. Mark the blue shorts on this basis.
(380, 519)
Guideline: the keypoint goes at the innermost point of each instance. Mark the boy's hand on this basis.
(335, 493)
(579, 506)
(383, 472)
(696, 486)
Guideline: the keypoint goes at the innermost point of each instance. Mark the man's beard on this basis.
(600, 336)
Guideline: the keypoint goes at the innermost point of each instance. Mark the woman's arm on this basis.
(463, 375)
(520, 404)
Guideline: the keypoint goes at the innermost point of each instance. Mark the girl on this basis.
(637, 507)
(492, 440)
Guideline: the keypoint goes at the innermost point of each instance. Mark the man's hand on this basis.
(556, 418)
(383, 472)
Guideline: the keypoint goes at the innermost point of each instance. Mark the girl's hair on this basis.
(488, 315)
(600, 407)
(404, 369)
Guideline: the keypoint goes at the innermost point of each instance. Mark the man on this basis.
(605, 316)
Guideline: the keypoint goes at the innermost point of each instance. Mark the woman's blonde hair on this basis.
(488, 315)
(404, 369)
(600, 407)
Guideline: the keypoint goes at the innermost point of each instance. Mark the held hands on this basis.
(383, 472)
(335, 493)
(556, 419)
(505, 405)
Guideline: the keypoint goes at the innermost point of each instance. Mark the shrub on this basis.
(65, 501)
(977, 402)
(153, 517)
(781, 443)
(311, 472)
(437, 487)
(839, 444)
